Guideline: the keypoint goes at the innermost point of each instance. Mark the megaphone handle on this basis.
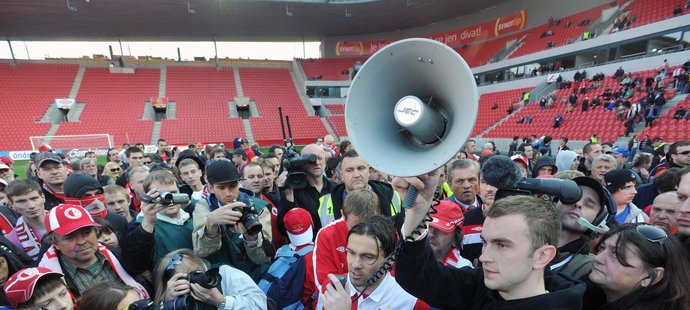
(410, 197)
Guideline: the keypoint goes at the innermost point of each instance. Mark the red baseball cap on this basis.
(45, 148)
(520, 159)
(6, 160)
(448, 217)
(298, 224)
(66, 218)
(20, 286)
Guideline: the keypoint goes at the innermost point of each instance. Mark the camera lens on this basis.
(208, 279)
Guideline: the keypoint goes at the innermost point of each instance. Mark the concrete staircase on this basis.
(155, 132)
(75, 112)
(248, 130)
(298, 81)
(238, 81)
(171, 110)
(162, 82)
(77, 82)
(51, 132)
(623, 140)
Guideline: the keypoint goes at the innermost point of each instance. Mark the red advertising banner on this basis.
(490, 29)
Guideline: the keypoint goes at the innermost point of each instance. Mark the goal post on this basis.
(74, 142)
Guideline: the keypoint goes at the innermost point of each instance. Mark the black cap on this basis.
(240, 152)
(222, 171)
(77, 184)
(617, 178)
(191, 155)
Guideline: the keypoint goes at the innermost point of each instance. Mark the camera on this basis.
(296, 166)
(168, 198)
(248, 219)
(208, 279)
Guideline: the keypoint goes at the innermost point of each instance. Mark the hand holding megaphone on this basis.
(426, 187)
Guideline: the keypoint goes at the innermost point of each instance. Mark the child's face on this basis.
(108, 237)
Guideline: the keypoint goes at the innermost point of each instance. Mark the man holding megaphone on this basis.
(520, 237)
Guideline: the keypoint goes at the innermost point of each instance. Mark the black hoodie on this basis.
(544, 161)
(420, 274)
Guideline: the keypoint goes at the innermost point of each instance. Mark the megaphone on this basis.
(411, 107)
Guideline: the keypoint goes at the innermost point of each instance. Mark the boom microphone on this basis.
(501, 172)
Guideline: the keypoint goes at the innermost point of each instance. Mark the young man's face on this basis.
(529, 152)
(588, 207)
(269, 177)
(682, 156)
(78, 247)
(58, 298)
(136, 159)
(191, 174)
(507, 254)
(218, 155)
(30, 205)
(238, 160)
(114, 156)
(118, 203)
(363, 259)
(545, 170)
(626, 194)
(225, 192)
(594, 151)
(253, 178)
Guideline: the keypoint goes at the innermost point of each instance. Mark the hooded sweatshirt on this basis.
(564, 160)
(544, 161)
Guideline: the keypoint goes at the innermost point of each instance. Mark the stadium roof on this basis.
(227, 20)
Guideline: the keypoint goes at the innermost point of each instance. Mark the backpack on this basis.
(283, 283)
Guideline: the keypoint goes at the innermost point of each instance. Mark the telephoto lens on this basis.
(208, 279)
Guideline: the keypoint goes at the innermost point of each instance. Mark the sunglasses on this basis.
(652, 233)
(115, 170)
(684, 152)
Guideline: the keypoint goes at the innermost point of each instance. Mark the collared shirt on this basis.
(84, 277)
(388, 295)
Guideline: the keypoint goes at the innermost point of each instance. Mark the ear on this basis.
(658, 276)
(543, 256)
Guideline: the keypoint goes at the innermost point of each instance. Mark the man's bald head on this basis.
(316, 170)
(665, 210)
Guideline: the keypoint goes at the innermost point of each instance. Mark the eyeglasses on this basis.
(115, 170)
(652, 233)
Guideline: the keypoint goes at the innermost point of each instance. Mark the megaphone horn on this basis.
(411, 107)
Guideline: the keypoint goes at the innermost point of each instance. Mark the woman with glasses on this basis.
(639, 267)
(112, 170)
(235, 290)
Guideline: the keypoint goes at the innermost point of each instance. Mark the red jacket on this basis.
(330, 252)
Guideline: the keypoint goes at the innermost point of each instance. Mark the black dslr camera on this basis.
(248, 219)
(296, 166)
(208, 279)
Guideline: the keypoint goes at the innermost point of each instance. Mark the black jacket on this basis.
(420, 274)
(51, 200)
(306, 198)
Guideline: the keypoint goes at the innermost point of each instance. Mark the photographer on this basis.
(160, 227)
(308, 197)
(231, 226)
(233, 290)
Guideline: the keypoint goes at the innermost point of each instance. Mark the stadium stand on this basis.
(27, 91)
(201, 96)
(332, 69)
(488, 116)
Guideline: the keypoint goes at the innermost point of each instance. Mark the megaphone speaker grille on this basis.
(411, 107)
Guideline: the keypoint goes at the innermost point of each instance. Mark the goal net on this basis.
(99, 143)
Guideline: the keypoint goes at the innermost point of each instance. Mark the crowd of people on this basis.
(241, 229)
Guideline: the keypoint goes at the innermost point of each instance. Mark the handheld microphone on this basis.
(501, 172)
(602, 228)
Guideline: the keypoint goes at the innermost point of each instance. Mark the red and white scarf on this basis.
(28, 238)
(50, 260)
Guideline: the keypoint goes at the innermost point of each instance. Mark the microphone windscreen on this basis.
(501, 172)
